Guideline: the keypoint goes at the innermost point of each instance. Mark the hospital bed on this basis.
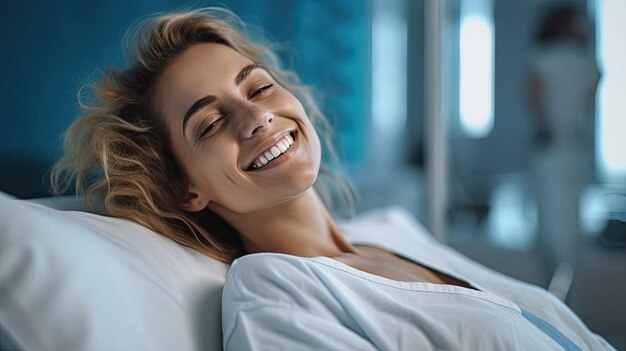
(75, 280)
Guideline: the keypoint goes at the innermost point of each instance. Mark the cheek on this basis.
(218, 177)
(314, 142)
(214, 172)
(317, 146)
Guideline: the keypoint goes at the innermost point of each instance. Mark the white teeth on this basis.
(280, 147)
(275, 151)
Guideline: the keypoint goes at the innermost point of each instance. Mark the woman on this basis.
(563, 81)
(206, 140)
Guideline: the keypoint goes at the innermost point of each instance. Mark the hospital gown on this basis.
(282, 302)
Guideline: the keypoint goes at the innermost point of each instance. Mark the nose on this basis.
(256, 122)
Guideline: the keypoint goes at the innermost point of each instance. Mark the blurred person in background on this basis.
(563, 81)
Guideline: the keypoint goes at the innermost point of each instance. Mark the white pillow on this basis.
(80, 281)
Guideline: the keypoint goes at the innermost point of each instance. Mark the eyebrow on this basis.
(209, 99)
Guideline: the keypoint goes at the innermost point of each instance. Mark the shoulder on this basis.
(267, 276)
(265, 266)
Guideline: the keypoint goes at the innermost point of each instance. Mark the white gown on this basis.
(282, 302)
(561, 169)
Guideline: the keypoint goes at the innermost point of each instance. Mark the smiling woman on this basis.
(200, 112)
(206, 140)
(239, 115)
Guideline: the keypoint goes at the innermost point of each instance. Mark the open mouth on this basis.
(269, 156)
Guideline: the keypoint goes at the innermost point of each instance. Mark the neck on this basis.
(301, 227)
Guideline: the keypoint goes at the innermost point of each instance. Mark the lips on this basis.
(272, 149)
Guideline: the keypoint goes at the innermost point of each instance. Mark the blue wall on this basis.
(51, 48)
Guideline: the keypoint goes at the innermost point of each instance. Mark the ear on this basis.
(195, 201)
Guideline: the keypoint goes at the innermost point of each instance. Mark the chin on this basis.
(290, 190)
(294, 187)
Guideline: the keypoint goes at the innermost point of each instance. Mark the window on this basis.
(611, 106)
(389, 67)
(476, 57)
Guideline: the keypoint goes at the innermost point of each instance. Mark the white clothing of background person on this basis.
(564, 77)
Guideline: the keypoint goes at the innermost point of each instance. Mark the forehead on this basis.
(200, 70)
(218, 60)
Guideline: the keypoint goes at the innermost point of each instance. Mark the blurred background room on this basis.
(500, 124)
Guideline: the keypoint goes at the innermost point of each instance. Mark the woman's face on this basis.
(244, 142)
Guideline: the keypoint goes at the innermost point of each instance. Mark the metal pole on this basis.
(436, 126)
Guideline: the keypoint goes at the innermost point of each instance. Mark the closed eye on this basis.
(209, 130)
(261, 90)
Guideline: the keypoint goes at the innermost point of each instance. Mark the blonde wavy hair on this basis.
(118, 152)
